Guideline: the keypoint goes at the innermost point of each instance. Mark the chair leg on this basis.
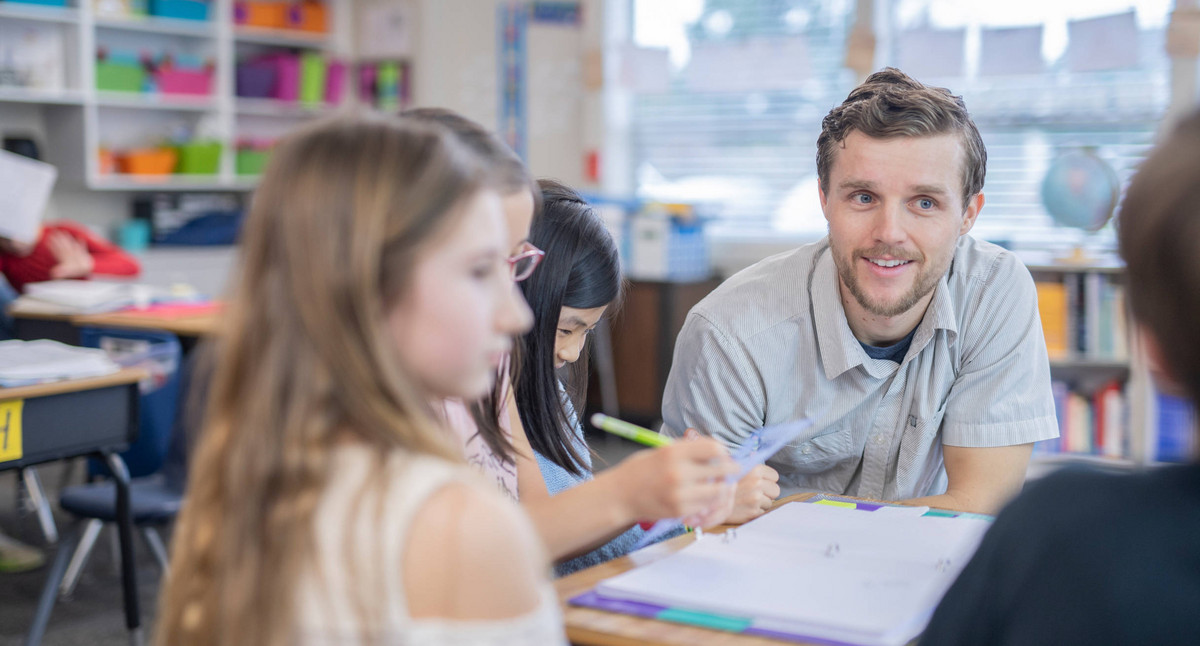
(41, 504)
(80, 555)
(49, 590)
(157, 548)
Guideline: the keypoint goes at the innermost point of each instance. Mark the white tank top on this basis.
(360, 540)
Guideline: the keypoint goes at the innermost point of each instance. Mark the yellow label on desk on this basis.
(10, 430)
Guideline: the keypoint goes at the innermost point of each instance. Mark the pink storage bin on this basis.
(287, 76)
(335, 82)
(176, 80)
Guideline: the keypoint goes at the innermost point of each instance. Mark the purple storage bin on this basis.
(256, 79)
(335, 82)
(287, 76)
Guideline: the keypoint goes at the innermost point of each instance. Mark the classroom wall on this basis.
(456, 66)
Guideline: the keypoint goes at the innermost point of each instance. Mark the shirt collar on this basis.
(840, 349)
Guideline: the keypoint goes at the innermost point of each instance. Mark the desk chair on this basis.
(154, 500)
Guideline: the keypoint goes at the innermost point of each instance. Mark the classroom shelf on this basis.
(119, 182)
(43, 97)
(285, 109)
(1083, 363)
(142, 100)
(281, 37)
(152, 25)
(37, 13)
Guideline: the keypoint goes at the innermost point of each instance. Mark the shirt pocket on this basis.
(821, 453)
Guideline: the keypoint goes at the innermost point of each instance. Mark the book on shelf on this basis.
(1083, 316)
(1093, 423)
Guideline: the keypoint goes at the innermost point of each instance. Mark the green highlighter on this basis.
(629, 431)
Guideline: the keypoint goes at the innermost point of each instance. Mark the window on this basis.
(735, 123)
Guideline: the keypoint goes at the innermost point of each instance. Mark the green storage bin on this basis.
(199, 158)
(313, 68)
(252, 162)
(120, 77)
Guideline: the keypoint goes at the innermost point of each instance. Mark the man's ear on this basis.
(974, 206)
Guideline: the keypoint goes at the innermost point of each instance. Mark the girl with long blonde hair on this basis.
(326, 505)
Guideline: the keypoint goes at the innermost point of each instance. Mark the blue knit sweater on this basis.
(559, 479)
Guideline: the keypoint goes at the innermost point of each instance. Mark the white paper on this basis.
(815, 570)
(1016, 50)
(28, 362)
(1105, 43)
(25, 186)
(932, 53)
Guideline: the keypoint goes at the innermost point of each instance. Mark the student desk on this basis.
(589, 626)
(92, 416)
(190, 327)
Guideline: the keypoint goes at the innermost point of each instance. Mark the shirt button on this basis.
(879, 439)
(806, 450)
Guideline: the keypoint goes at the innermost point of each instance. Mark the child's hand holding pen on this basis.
(686, 479)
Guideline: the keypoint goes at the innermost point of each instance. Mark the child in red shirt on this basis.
(63, 250)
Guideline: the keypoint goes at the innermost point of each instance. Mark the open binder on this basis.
(807, 571)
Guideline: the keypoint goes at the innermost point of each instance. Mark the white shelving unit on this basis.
(79, 120)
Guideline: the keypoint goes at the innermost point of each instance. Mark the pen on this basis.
(629, 431)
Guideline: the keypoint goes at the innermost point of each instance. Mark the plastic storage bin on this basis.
(180, 9)
(307, 16)
(256, 79)
(199, 158)
(183, 80)
(120, 77)
(150, 161)
(270, 14)
(313, 68)
(44, 3)
(251, 161)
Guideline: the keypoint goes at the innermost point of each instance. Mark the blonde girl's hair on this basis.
(304, 362)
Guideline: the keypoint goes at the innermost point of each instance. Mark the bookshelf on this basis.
(82, 125)
(1109, 411)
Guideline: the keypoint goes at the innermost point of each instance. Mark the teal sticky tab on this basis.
(938, 513)
(704, 619)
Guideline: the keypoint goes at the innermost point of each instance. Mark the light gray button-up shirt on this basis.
(772, 344)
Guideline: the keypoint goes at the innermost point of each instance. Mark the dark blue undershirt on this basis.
(894, 352)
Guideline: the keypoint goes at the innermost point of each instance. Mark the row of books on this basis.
(1092, 424)
(1083, 315)
(1098, 424)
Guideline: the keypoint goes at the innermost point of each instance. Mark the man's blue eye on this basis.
(926, 204)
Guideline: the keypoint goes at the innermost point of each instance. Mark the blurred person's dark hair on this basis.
(1157, 230)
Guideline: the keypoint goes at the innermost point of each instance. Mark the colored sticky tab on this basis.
(836, 503)
(10, 430)
(939, 513)
(704, 619)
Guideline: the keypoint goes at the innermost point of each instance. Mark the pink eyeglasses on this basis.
(522, 263)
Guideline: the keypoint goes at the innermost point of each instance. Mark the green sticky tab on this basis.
(938, 513)
(836, 503)
(704, 619)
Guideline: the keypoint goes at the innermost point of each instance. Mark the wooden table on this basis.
(602, 628)
(189, 326)
(92, 416)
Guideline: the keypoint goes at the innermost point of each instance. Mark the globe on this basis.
(1080, 190)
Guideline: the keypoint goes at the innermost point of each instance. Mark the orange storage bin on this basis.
(149, 161)
(308, 16)
(262, 13)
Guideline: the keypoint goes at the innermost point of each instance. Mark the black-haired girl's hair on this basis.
(582, 270)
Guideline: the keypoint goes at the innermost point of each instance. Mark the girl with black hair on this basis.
(587, 519)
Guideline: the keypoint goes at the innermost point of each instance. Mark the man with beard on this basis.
(916, 349)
